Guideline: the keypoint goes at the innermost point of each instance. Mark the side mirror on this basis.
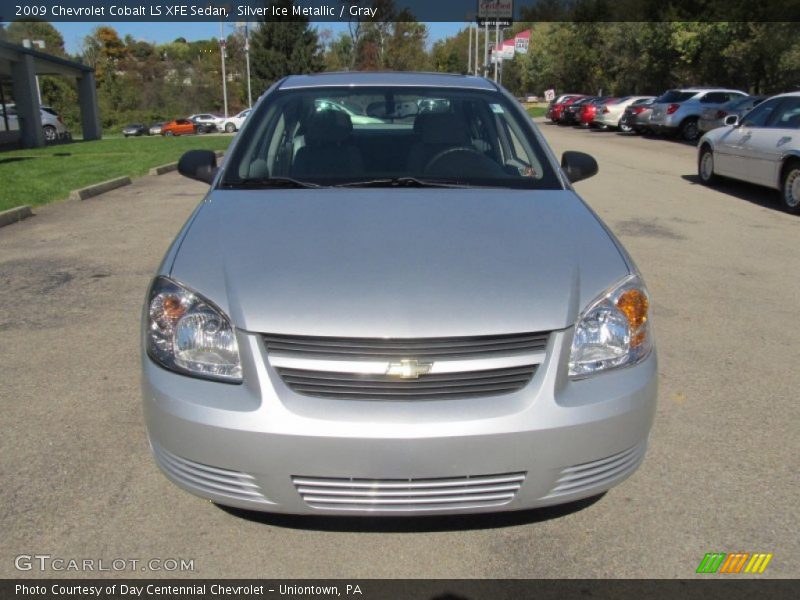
(578, 166)
(198, 164)
(731, 120)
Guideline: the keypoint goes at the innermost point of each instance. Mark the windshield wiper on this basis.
(268, 182)
(402, 182)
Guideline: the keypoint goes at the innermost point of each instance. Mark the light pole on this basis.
(477, 44)
(224, 78)
(497, 47)
(485, 48)
(469, 51)
(247, 61)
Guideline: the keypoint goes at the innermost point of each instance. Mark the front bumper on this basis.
(261, 446)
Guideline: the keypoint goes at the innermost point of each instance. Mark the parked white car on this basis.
(610, 113)
(764, 148)
(211, 122)
(234, 123)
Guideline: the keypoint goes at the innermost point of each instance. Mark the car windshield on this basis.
(675, 96)
(389, 136)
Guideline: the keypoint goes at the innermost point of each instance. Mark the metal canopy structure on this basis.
(22, 65)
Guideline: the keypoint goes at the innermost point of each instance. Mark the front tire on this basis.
(230, 127)
(169, 134)
(624, 127)
(705, 166)
(790, 188)
(50, 133)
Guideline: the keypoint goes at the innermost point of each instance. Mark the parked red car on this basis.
(556, 111)
(178, 127)
(589, 109)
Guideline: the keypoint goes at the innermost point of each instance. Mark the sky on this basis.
(166, 32)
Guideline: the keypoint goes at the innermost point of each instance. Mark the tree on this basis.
(278, 49)
(37, 30)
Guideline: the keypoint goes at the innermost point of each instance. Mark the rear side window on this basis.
(715, 98)
(673, 96)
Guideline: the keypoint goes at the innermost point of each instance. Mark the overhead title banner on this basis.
(507, 11)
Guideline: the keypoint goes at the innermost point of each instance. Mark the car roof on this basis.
(707, 89)
(364, 79)
(786, 95)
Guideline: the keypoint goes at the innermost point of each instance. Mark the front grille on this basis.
(361, 386)
(409, 495)
(206, 480)
(418, 348)
(599, 472)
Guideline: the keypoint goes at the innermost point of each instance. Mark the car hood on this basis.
(375, 262)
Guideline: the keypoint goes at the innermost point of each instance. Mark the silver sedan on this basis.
(415, 315)
(763, 148)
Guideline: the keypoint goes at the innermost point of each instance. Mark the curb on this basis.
(173, 166)
(161, 169)
(99, 188)
(13, 215)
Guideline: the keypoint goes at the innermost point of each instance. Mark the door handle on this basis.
(784, 140)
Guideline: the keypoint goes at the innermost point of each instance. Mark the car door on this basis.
(729, 149)
(766, 147)
(185, 126)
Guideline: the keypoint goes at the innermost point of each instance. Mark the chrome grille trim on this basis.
(408, 495)
(207, 479)
(281, 360)
(354, 386)
(580, 477)
(377, 349)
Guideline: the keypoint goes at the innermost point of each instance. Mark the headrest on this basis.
(441, 128)
(327, 126)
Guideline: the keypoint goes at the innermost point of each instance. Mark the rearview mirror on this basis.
(731, 120)
(198, 164)
(578, 166)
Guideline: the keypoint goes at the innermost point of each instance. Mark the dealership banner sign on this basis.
(484, 11)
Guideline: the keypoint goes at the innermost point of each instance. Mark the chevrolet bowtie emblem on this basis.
(409, 369)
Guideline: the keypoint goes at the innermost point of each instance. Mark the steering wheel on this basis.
(459, 161)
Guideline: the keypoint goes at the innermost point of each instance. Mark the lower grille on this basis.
(599, 472)
(208, 480)
(409, 495)
(361, 386)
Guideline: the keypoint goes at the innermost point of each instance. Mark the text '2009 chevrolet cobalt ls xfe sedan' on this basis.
(406, 313)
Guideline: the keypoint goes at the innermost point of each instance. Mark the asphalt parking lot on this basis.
(721, 474)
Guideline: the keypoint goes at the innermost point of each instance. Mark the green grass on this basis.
(46, 174)
(537, 111)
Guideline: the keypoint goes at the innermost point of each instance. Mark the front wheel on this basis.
(790, 189)
(169, 134)
(50, 133)
(705, 166)
(624, 127)
(230, 127)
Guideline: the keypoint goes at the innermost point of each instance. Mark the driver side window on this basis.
(760, 115)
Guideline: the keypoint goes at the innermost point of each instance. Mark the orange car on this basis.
(178, 127)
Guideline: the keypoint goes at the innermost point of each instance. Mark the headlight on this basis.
(188, 334)
(613, 331)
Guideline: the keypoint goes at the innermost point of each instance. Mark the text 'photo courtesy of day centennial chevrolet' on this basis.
(392, 302)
